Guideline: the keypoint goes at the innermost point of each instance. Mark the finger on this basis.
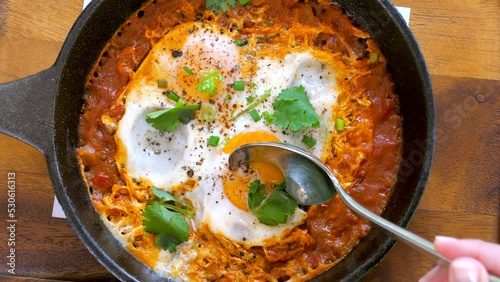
(486, 253)
(467, 269)
(437, 274)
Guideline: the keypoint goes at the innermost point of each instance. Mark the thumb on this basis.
(467, 270)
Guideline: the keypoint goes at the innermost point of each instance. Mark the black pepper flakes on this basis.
(177, 53)
(190, 173)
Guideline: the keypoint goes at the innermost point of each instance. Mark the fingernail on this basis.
(443, 239)
(463, 271)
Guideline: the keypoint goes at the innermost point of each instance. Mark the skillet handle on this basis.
(27, 108)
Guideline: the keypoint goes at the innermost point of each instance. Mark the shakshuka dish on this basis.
(185, 82)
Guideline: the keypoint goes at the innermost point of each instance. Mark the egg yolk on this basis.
(236, 183)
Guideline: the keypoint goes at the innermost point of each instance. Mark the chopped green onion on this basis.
(228, 98)
(252, 86)
(339, 124)
(239, 85)
(373, 57)
(213, 141)
(172, 96)
(208, 111)
(268, 117)
(250, 99)
(267, 93)
(309, 141)
(162, 83)
(179, 103)
(240, 42)
(189, 70)
(255, 115)
(243, 2)
(208, 83)
(224, 142)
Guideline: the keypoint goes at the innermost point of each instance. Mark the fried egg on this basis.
(168, 160)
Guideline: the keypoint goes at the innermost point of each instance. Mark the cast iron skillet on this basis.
(54, 100)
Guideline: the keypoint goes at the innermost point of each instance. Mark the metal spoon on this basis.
(309, 182)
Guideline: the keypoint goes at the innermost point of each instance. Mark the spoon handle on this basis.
(410, 239)
(416, 242)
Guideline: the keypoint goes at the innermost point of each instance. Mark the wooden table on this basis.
(460, 41)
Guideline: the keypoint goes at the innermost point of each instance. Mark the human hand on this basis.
(471, 260)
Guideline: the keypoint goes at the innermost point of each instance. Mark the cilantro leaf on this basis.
(158, 219)
(208, 83)
(273, 209)
(167, 120)
(168, 242)
(222, 5)
(293, 110)
(256, 194)
(165, 196)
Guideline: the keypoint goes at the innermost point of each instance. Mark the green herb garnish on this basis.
(222, 5)
(228, 98)
(255, 115)
(188, 70)
(271, 209)
(208, 111)
(292, 110)
(162, 83)
(240, 42)
(373, 57)
(167, 120)
(166, 219)
(208, 83)
(239, 85)
(172, 96)
(339, 124)
(268, 117)
(213, 140)
(309, 141)
(267, 93)
(165, 197)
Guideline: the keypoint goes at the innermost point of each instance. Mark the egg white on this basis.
(168, 159)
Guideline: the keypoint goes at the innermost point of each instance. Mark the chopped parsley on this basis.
(271, 209)
(222, 5)
(292, 110)
(166, 217)
(208, 83)
(168, 119)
